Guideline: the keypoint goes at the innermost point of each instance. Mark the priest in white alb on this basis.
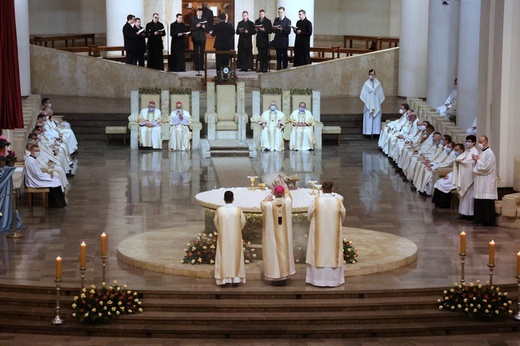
(449, 109)
(372, 96)
(229, 258)
(325, 247)
(272, 122)
(277, 234)
(463, 178)
(302, 135)
(180, 133)
(150, 127)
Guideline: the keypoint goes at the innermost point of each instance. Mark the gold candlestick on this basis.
(313, 184)
(57, 321)
(318, 188)
(462, 258)
(104, 259)
(491, 268)
(82, 271)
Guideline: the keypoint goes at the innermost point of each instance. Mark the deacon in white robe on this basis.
(485, 184)
(463, 178)
(395, 125)
(229, 258)
(150, 127)
(34, 177)
(449, 108)
(325, 247)
(277, 234)
(372, 96)
(180, 133)
(302, 135)
(272, 122)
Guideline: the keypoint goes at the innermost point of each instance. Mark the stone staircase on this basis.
(253, 314)
(91, 126)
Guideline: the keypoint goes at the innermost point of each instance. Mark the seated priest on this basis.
(272, 122)
(150, 127)
(302, 135)
(34, 177)
(180, 133)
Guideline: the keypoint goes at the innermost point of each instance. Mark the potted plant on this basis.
(10, 158)
(3, 143)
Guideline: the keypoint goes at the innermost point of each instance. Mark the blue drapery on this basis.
(6, 200)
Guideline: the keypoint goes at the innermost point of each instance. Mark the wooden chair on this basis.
(33, 190)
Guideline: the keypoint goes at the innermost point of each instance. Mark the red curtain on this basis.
(11, 114)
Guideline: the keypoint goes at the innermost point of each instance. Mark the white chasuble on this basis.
(229, 257)
(277, 244)
(150, 136)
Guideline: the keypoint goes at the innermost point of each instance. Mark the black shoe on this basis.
(235, 284)
(69, 175)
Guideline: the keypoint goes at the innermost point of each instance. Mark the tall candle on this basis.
(492, 252)
(83, 256)
(462, 242)
(58, 268)
(103, 245)
(518, 264)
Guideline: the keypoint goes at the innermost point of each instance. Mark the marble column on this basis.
(468, 66)
(443, 37)
(499, 83)
(116, 11)
(413, 48)
(21, 9)
(291, 12)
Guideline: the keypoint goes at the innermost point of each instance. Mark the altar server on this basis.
(463, 178)
(229, 259)
(325, 247)
(302, 135)
(372, 96)
(180, 133)
(485, 190)
(150, 127)
(277, 234)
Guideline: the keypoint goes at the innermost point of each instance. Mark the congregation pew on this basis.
(43, 40)
(371, 42)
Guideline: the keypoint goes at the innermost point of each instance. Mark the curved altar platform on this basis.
(163, 251)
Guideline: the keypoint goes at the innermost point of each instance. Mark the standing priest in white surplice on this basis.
(272, 122)
(277, 234)
(180, 133)
(302, 135)
(229, 258)
(372, 96)
(325, 247)
(150, 127)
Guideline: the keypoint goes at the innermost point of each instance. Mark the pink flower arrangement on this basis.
(3, 142)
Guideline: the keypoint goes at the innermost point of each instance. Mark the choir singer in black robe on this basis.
(245, 30)
(263, 28)
(224, 40)
(302, 42)
(178, 33)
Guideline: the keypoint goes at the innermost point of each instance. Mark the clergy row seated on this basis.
(273, 121)
(324, 247)
(150, 121)
(417, 151)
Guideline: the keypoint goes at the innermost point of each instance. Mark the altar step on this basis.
(225, 148)
(91, 126)
(213, 313)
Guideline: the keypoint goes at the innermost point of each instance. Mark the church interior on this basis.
(148, 201)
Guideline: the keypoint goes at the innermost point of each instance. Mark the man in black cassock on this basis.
(224, 40)
(155, 32)
(245, 30)
(209, 15)
(263, 28)
(178, 46)
(130, 39)
(198, 37)
(282, 30)
(302, 42)
(141, 42)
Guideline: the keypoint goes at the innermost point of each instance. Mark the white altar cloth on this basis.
(249, 200)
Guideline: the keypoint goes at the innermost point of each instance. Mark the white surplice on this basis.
(463, 180)
(485, 176)
(302, 135)
(325, 247)
(277, 242)
(372, 96)
(229, 258)
(150, 136)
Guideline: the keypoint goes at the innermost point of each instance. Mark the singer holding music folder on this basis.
(198, 37)
(155, 32)
(178, 32)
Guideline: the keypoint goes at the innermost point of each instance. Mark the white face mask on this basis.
(371, 77)
(448, 150)
(421, 127)
(273, 108)
(481, 146)
(401, 111)
(36, 154)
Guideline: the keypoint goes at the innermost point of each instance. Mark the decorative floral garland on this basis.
(180, 91)
(150, 91)
(300, 91)
(271, 91)
(202, 250)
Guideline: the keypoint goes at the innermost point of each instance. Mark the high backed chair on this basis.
(139, 100)
(226, 116)
(261, 103)
(190, 103)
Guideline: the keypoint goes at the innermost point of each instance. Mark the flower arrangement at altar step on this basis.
(10, 158)
(106, 303)
(202, 250)
(476, 300)
(3, 142)
(349, 253)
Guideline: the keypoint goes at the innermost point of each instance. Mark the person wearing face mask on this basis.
(372, 96)
(449, 109)
(302, 135)
(392, 126)
(423, 178)
(180, 133)
(272, 122)
(463, 178)
(155, 32)
(150, 127)
(485, 185)
(406, 138)
(34, 177)
(425, 154)
(443, 187)
(426, 141)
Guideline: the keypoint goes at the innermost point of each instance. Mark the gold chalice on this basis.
(262, 186)
(318, 187)
(252, 179)
(313, 184)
